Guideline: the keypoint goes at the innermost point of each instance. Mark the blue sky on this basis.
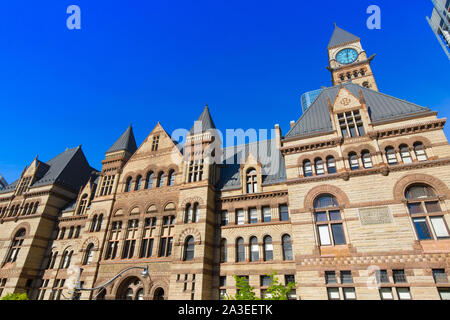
(141, 62)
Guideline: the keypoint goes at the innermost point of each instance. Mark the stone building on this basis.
(352, 203)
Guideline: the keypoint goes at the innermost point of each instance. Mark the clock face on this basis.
(347, 56)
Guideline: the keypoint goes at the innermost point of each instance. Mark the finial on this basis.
(335, 24)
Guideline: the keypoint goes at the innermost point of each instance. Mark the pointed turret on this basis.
(125, 142)
(340, 37)
(203, 123)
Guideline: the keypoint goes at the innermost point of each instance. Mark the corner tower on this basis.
(348, 60)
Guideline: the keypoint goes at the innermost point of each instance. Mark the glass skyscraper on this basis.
(308, 98)
(440, 23)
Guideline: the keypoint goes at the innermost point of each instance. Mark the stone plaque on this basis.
(379, 215)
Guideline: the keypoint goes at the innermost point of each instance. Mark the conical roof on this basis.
(340, 36)
(206, 122)
(125, 142)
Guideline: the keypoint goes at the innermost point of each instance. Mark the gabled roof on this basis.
(69, 169)
(273, 167)
(316, 119)
(340, 36)
(205, 120)
(125, 142)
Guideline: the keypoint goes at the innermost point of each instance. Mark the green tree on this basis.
(276, 290)
(15, 296)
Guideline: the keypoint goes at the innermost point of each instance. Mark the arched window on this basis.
(366, 159)
(331, 165)
(318, 163)
(328, 220)
(268, 248)
(195, 213)
(419, 150)
(150, 177)
(405, 154)
(128, 184)
(252, 183)
(71, 230)
(83, 204)
(99, 223)
(159, 294)
(188, 214)
(25, 209)
(171, 178)
(36, 204)
(129, 294)
(189, 248)
(365, 84)
(425, 210)
(93, 223)
(240, 250)
(390, 155)
(65, 260)
(138, 183)
(52, 260)
(77, 231)
(63, 231)
(89, 254)
(140, 294)
(160, 179)
(16, 245)
(363, 72)
(353, 161)
(223, 250)
(307, 168)
(254, 249)
(287, 247)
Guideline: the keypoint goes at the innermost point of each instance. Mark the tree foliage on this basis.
(276, 290)
(15, 296)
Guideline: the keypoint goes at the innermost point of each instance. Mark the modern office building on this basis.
(440, 23)
(353, 202)
(3, 182)
(308, 98)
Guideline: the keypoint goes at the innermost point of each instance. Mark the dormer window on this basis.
(83, 205)
(23, 187)
(351, 124)
(251, 179)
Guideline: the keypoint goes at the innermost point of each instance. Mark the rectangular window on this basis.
(386, 294)
(265, 281)
(321, 217)
(222, 294)
(222, 281)
(382, 276)
(240, 216)
(432, 206)
(330, 277)
(284, 213)
(338, 233)
(440, 276)
(253, 215)
(444, 293)
(324, 235)
(403, 294)
(415, 208)
(346, 277)
(349, 293)
(224, 218)
(333, 293)
(423, 233)
(399, 276)
(267, 217)
(440, 229)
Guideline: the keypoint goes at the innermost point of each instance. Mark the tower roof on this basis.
(125, 142)
(340, 36)
(206, 121)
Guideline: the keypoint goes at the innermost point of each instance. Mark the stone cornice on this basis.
(329, 143)
(253, 196)
(408, 129)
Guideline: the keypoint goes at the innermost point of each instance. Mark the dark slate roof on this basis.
(340, 36)
(69, 169)
(316, 119)
(206, 122)
(125, 142)
(272, 161)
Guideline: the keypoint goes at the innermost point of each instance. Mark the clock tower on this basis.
(348, 61)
